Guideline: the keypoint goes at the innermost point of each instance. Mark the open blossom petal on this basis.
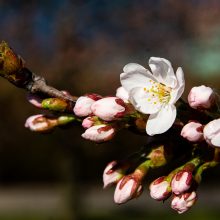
(163, 71)
(160, 122)
(140, 78)
(130, 67)
(216, 140)
(177, 93)
(146, 103)
(122, 94)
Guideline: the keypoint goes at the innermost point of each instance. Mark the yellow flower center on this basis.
(159, 93)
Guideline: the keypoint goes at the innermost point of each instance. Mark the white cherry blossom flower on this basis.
(156, 93)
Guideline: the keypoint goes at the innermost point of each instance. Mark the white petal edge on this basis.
(163, 71)
(216, 141)
(160, 122)
(139, 98)
(140, 78)
(178, 91)
(130, 67)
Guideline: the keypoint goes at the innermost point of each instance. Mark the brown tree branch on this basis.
(12, 68)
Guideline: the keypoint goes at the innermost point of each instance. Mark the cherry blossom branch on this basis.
(183, 134)
(12, 68)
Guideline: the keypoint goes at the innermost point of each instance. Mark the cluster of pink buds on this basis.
(180, 184)
(203, 99)
(128, 185)
(129, 175)
(101, 114)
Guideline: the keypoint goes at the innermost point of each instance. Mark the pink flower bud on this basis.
(181, 182)
(109, 108)
(83, 104)
(183, 202)
(211, 133)
(88, 122)
(201, 97)
(34, 100)
(39, 123)
(99, 133)
(160, 189)
(193, 131)
(128, 187)
(111, 175)
(122, 94)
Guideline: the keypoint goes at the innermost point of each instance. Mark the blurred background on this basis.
(81, 46)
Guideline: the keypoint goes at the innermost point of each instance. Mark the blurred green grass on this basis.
(207, 215)
(201, 215)
(29, 217)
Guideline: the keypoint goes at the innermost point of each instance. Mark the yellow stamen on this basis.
(160, 92)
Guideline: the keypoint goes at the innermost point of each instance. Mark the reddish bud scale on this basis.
(159, 180)
(122, 103)
(111, 177)
(189, 167)
(200, 129)
(123, 165)
(93, 96)
(105, 129)
(189, 177)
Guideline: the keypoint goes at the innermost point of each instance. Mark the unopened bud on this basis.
(34, 100)
(128, 187)
(157, 156)
(201, 97)
(55, 104)
(183, 202)
(181, 182)
(160, 189)
(65, 119)
(99, 133)
(111, 175)
(193, 131)
(12, 67)
(109, 109)
(40, 123)
(83, 104)
(10, 62)
(88, 122)
(211, 133)
(122, 94)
